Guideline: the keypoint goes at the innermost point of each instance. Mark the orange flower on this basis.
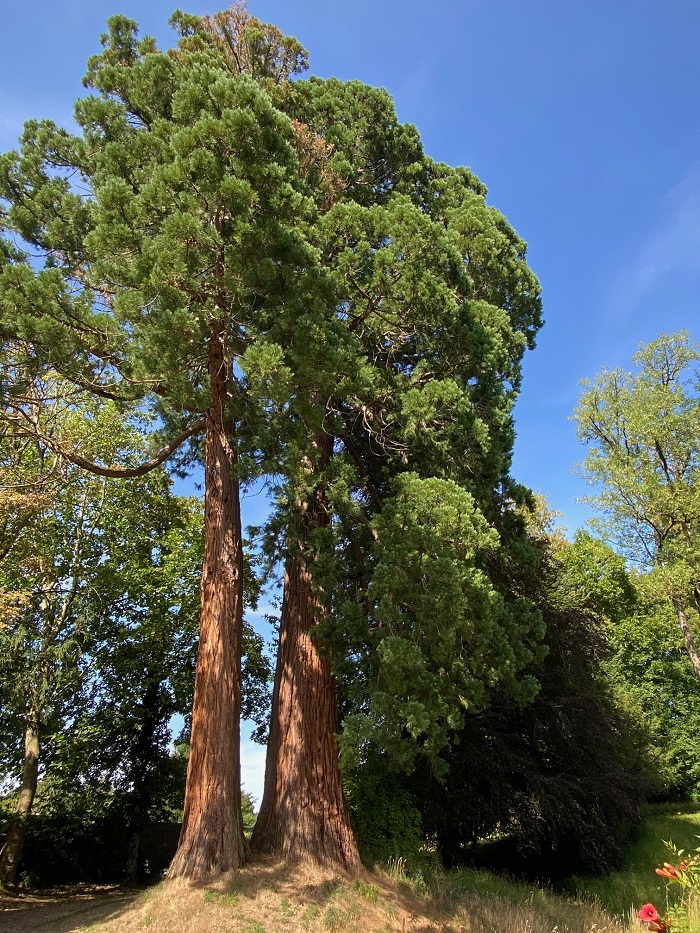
(668, 871)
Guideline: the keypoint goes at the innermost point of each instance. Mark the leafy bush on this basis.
(384, 817)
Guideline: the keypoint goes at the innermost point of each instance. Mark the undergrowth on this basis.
(416, 897)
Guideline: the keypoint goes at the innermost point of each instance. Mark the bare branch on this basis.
(126, 472)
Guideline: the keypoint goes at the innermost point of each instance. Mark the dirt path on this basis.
(61, 911)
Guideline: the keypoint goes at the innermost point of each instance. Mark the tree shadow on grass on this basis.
(62, 911)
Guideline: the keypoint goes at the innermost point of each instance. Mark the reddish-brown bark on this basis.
(303, 812)
(212, 839)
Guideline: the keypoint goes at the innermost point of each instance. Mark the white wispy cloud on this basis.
(672, 249)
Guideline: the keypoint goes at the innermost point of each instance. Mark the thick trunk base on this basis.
(303, 813)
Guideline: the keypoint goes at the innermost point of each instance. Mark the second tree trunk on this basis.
(303, 813)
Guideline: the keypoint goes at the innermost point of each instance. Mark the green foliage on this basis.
(440, 628)
(373, 312)
(75, 834)
(100, 655)
(653, 680)
(635, 882)
(64, 558)
(243, 43)
(384, 817)
(249, 814)
(191, 216)
(593, 576)
(642, 429)
(434, 306)
(167, 230)
(558, 780)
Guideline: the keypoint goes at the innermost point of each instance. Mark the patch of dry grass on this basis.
(277, 898)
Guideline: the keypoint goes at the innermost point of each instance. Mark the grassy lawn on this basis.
(273, 897)
(636, 882)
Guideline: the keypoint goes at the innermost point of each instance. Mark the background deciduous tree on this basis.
(559, 779)
(643, 433)
(58, 585)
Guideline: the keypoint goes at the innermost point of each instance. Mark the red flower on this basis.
(667, 872)
(648, 913)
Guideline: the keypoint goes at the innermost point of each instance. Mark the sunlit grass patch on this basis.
(220, 897)
(635, 883)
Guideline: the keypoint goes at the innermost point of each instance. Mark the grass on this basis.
(370, 892)
(220, 897)
(274, 898)
(277, 898)
(636, 883)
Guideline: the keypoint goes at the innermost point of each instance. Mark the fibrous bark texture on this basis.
(212, 839)
(303, 812)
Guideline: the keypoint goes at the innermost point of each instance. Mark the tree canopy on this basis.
(268, 276)
(143, 257)
(643, 433)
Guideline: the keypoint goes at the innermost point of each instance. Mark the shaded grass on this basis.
(478, 901)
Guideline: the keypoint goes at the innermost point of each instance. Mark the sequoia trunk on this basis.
(12, 849)
(212, 839)
(303, 812)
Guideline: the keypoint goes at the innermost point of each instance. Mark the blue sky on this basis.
(583, 120)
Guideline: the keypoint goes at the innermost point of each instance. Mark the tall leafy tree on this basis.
(193, 290)
(656, 685)
(138, 672)
(57, 564)
(642, 430)
(561, 774)
(161, 244)
(303, 812)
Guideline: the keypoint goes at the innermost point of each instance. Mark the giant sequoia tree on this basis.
(386, 538)
(155, 248)
(276, 267)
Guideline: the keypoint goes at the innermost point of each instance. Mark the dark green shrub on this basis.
(384, 817)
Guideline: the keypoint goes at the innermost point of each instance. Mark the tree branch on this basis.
(664, 462)
(354, 453)
(126, 472)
